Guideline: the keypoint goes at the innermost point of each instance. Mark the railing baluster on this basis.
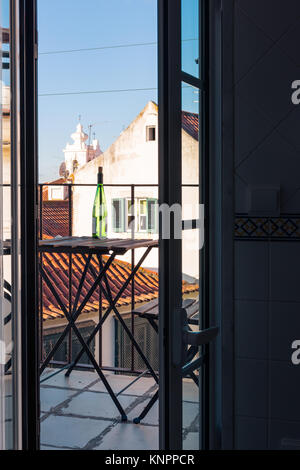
(70, 310)
(100, 318)
(41, 212)
(133, 279)
(41, 342)
(70, 336)
(70, 209)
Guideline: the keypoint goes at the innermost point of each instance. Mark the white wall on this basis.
(133, 160)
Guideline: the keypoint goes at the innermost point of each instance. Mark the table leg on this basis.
(146, 409)
(71, 325)
(110, 308)
(76, 311)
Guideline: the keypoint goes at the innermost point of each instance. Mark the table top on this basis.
(93, 245)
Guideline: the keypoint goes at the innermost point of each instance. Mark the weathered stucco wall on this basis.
(131, 159)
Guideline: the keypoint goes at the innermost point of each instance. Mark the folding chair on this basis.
(150, 312)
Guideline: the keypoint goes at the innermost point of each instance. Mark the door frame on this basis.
(222, 203)
(170, 272)
(170, 78)
(220, 385)
(225, 32)
(28, 229)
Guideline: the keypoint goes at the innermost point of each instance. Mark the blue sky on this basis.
(4, 14)
(78, 24)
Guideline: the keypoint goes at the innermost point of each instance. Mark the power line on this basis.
(97, 92)
(98, 48)
(118, 46)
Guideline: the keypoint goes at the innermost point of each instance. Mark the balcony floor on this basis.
(77, 413)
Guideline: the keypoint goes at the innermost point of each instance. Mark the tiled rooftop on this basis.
(190, 123)
(55, 218)
(57, 267)
(77, 413)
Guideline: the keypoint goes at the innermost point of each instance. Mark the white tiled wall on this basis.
(267, 273)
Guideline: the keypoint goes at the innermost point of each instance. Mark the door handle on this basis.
(198, 338)
(188, 337)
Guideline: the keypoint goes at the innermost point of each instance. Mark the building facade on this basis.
(132, 160)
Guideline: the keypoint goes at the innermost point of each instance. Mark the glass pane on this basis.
(143, 223)
(190, 37)
(190, 254)
(117, 224)
(190, 134)
(143, 207)
(98, 108)
(131, 215)
(6, 441)
(152, 215)
(9, 184)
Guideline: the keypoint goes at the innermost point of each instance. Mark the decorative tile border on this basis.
(280, 228)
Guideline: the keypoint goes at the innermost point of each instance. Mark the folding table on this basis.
(87, 247)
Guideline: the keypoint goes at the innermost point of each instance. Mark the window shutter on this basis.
(152, 219)
(118, 215)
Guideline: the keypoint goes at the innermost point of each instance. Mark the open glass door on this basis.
(10, 285)
(16, 221)
(184, 335)
(18, 397)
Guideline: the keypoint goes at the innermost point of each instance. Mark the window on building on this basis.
(150, 133)
(147, 340)
(131, 216)
(51, 336)
(143, 214)
(118, 215)
(55, 193)
(152, 211)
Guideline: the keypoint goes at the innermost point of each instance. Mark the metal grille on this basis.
(146, 338)
(62, 355)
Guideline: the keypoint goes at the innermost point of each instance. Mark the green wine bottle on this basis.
(99, 209)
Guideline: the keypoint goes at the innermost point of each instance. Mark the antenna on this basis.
(89, 143)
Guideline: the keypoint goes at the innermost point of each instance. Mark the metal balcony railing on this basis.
(57, 218)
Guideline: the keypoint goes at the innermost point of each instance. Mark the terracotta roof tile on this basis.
(190, 123)
(57, 268)
(55, 218)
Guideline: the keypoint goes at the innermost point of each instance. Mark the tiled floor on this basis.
(77, 413)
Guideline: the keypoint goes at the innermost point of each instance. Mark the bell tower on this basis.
(80, 151)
